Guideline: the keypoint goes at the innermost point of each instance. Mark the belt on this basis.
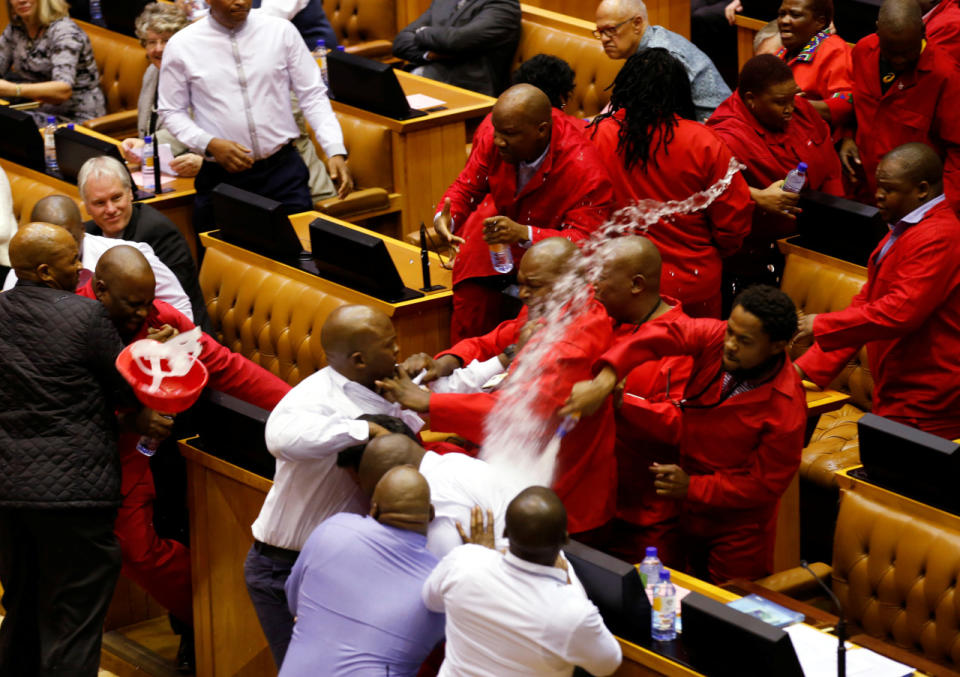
(278, 155)
(275, 553)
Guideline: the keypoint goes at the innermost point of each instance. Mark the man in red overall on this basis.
(742, 427)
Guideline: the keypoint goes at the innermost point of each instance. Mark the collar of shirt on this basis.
(362, 394)
(535, 569)
(526, 170)
(916, 216)
(807, 53)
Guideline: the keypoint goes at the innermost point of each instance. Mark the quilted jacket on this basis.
(58, 393)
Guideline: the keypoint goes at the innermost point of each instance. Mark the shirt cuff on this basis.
(359, 430)
(526, 244)
(203, 140)
(335, 149)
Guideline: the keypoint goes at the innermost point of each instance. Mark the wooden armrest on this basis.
(371, 49)
(821, 401)
(741, 21)
(797, 582)
(364, 200)
(121, 120)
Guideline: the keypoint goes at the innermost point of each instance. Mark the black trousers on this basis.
(282, 177)
(58, 569)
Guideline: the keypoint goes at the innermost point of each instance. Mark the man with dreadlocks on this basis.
(661, 154)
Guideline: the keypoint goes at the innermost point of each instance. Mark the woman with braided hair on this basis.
(660, 153)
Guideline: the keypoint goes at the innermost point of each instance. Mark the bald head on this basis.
(45, 253)
(360, 343)
(522, 121)
(61, 211)
(900, 33)
(401, 499)
(907, 177)
(384, 453)
(553, 253)
(124, 283)
(536, 525)
(629, 284)
(541, 267)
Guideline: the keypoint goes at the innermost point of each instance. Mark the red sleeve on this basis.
(461, 413)
(920, 285)
(822, 367)
(489, 345)
(837, 79)
(649, 397)
(947, 129)
(472, 184)
(764, 480)
(589, 213)
(652, 341)
(731, 214)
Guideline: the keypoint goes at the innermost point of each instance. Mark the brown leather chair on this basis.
(816, 286)
(370, 149)
(546, 32)
(26, 192)
(273, 321)
(894, 571)
(122, 62)
(364, 27)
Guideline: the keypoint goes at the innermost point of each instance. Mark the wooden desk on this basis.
(430, 151)
(747, 28)
(423, 324)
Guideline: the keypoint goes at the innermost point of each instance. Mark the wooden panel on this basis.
(747, 28)
(786, 547)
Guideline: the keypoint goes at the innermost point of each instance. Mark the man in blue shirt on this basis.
(355, 589)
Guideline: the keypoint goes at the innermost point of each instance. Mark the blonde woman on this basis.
(155, 26)
(45, 56)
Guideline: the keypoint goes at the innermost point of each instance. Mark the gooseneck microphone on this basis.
(841, 623)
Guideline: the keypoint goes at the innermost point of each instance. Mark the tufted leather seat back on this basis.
(26, 193)
(370, 149)
(121, 61)
(270, 319)
(364, 27)
(593, 70)
(896, 575)
(819, 288)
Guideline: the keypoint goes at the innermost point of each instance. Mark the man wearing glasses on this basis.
(623, 29)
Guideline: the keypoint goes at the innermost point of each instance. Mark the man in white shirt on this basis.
(62, 211)
(307, 429)
(235, 74)
(519, 613)
(458, 483)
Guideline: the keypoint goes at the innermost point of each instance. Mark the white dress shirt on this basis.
(285, 9)
(168, 287)
(307, 429)
(507, 616)
(200, 73)
(457, 483)
(468, 379)
(8, 222)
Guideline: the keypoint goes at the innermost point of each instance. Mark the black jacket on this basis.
(150, 226)
(59, 391)
(477, 39)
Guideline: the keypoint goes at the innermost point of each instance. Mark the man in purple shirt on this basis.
(355, 588)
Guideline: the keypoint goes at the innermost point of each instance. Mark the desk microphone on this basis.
(841, 623)
(425, 262)
(157, 186)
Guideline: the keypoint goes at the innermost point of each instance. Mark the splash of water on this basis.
(518, 441)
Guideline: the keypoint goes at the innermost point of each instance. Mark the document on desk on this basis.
(423, 102)
(817, 652)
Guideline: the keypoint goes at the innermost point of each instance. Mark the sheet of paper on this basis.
(166, 156)
(165, 179)
(817, 652)
(423, 102)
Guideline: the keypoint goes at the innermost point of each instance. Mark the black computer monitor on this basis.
(615, 587)
(256, 223)
(723, 642)
(838, 227)
(368, 84)
(74, 148)
(232, 430)
(911, 462)
(20, 140)
(357, 260)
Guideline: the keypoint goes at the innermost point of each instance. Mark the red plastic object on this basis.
(175, 394)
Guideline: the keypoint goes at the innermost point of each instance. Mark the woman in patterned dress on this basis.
(45, 56)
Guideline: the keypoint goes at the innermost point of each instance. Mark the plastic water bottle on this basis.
(650, 568)
(96, 14)
(796, 179)
(50, 144)
(501, 258)
(146, 165)
(320, 54)
(663, 619)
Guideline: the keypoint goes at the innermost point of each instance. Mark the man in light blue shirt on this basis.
(623, 28)
(355, 589)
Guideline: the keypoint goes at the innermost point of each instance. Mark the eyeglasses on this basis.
(611, 31)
